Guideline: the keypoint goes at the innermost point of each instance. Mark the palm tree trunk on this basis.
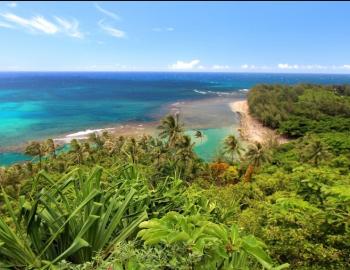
(40, 162)
(248, 174)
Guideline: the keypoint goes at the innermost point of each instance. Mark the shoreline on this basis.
(126, 129)
(251, 129)
(123, 129)
(196, 114)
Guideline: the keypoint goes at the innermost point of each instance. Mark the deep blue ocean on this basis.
(37, 105)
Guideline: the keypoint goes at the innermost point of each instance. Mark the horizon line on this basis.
(167, 71)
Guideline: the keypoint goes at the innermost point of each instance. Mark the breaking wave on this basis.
(218, 93)
(80, 135)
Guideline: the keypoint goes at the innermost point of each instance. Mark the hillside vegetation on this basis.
(297, 110)
(151, 203)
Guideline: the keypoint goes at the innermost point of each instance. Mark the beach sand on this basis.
(251, 129)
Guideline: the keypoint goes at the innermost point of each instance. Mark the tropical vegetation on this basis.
(119, 202)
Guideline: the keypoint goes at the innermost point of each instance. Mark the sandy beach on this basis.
(130, 129)
(250, 128)
(126, 129)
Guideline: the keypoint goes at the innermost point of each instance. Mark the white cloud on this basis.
(246, 66)
(315, 67)
(5, 25)
(287, 66)
(185, 65)
(111, 30)
(12, 4)
(163, 29)
(108, 13)
(42, 25)
(38, 23)
(71, 28)
(309, 67)
(220, 67)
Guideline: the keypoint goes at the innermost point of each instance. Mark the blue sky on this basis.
(175, 36)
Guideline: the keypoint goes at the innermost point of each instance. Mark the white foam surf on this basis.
(219, 93)
(81, 135)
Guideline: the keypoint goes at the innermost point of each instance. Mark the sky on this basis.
(295, 37)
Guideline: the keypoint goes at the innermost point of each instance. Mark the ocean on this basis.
(39, 105)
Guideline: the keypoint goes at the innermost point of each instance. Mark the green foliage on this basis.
(215, 246)
(300, 215)
(80, 208)
(171, 128)
(232, 147)
(72, 219)
(296, 110)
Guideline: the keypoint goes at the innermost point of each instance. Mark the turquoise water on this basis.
(41, 105)
(8, 158)
(207, 148)
(13, 157)
(211, 144)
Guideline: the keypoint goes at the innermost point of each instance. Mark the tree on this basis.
(198, 134)
(97, 140)
(35, 149)
(315, 152)
(158, 149)
(51, 148)
(256, 155)
(231, 146)
(77, 149)
(114, 144)
(130, 148)
(185, 148)
(171, 128)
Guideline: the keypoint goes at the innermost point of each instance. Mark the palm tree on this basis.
(185, 148)
(97, 140)
(171, 128)
(199, 135)
(184, 159)
(51, 147)
(130, 148)
(12, 176)
(35, 149)
(158, 149)
(113, 144)
(231, 146)
(77, 149)
(28, 168)
(144, 143)
(256, 155)
(106, 135)
(87, 152)
(316, 152)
